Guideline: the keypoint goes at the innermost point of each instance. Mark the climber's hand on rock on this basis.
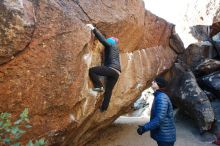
(90, 26)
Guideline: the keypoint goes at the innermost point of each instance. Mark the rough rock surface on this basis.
(215, 28)
(207, 67)
(53, 51)
(154, 28)
(200, 32)
(197, 53)
(216, 108)
(210, 95)
(176, 43)
(16, 18)
(211, 83)
(187, 95)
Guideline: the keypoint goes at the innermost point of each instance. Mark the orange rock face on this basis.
(49, 73)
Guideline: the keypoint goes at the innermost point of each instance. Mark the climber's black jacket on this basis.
(111, 52)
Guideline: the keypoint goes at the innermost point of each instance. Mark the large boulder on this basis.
(216, 43)
(200, 32)
(211, 83)
(17, 24)
(216, 108)
(196, 53)
(49, 74)
(121, 19)
(210, 95)
(176, 43)
(207, 67)
(215, 28)
(187, 95)
(155, 27)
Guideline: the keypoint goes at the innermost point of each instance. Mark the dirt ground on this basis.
(123, 133)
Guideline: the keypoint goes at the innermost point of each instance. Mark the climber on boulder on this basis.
(111, 68)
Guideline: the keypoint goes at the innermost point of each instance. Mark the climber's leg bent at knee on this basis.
(97, 71)
(110, 83)
(94, 74)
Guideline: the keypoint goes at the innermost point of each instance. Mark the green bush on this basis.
(11, 132)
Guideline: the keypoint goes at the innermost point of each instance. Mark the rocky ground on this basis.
(123, 133)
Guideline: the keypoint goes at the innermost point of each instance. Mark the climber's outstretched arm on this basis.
(98, 35)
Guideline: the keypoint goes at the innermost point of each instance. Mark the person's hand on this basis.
(140, 130)
(90, 26)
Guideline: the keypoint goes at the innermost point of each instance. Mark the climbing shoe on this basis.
(101, 89)
(101, 109)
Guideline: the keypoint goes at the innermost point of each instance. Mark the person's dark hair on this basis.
(161, 82)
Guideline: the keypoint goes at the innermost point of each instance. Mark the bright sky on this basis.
(171, 10)
(175, 11)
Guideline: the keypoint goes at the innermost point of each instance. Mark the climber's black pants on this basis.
(111, 79)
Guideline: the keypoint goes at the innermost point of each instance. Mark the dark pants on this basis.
(111, 79)
(161, 143)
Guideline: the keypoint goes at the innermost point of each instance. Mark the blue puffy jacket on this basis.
(161, 122)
